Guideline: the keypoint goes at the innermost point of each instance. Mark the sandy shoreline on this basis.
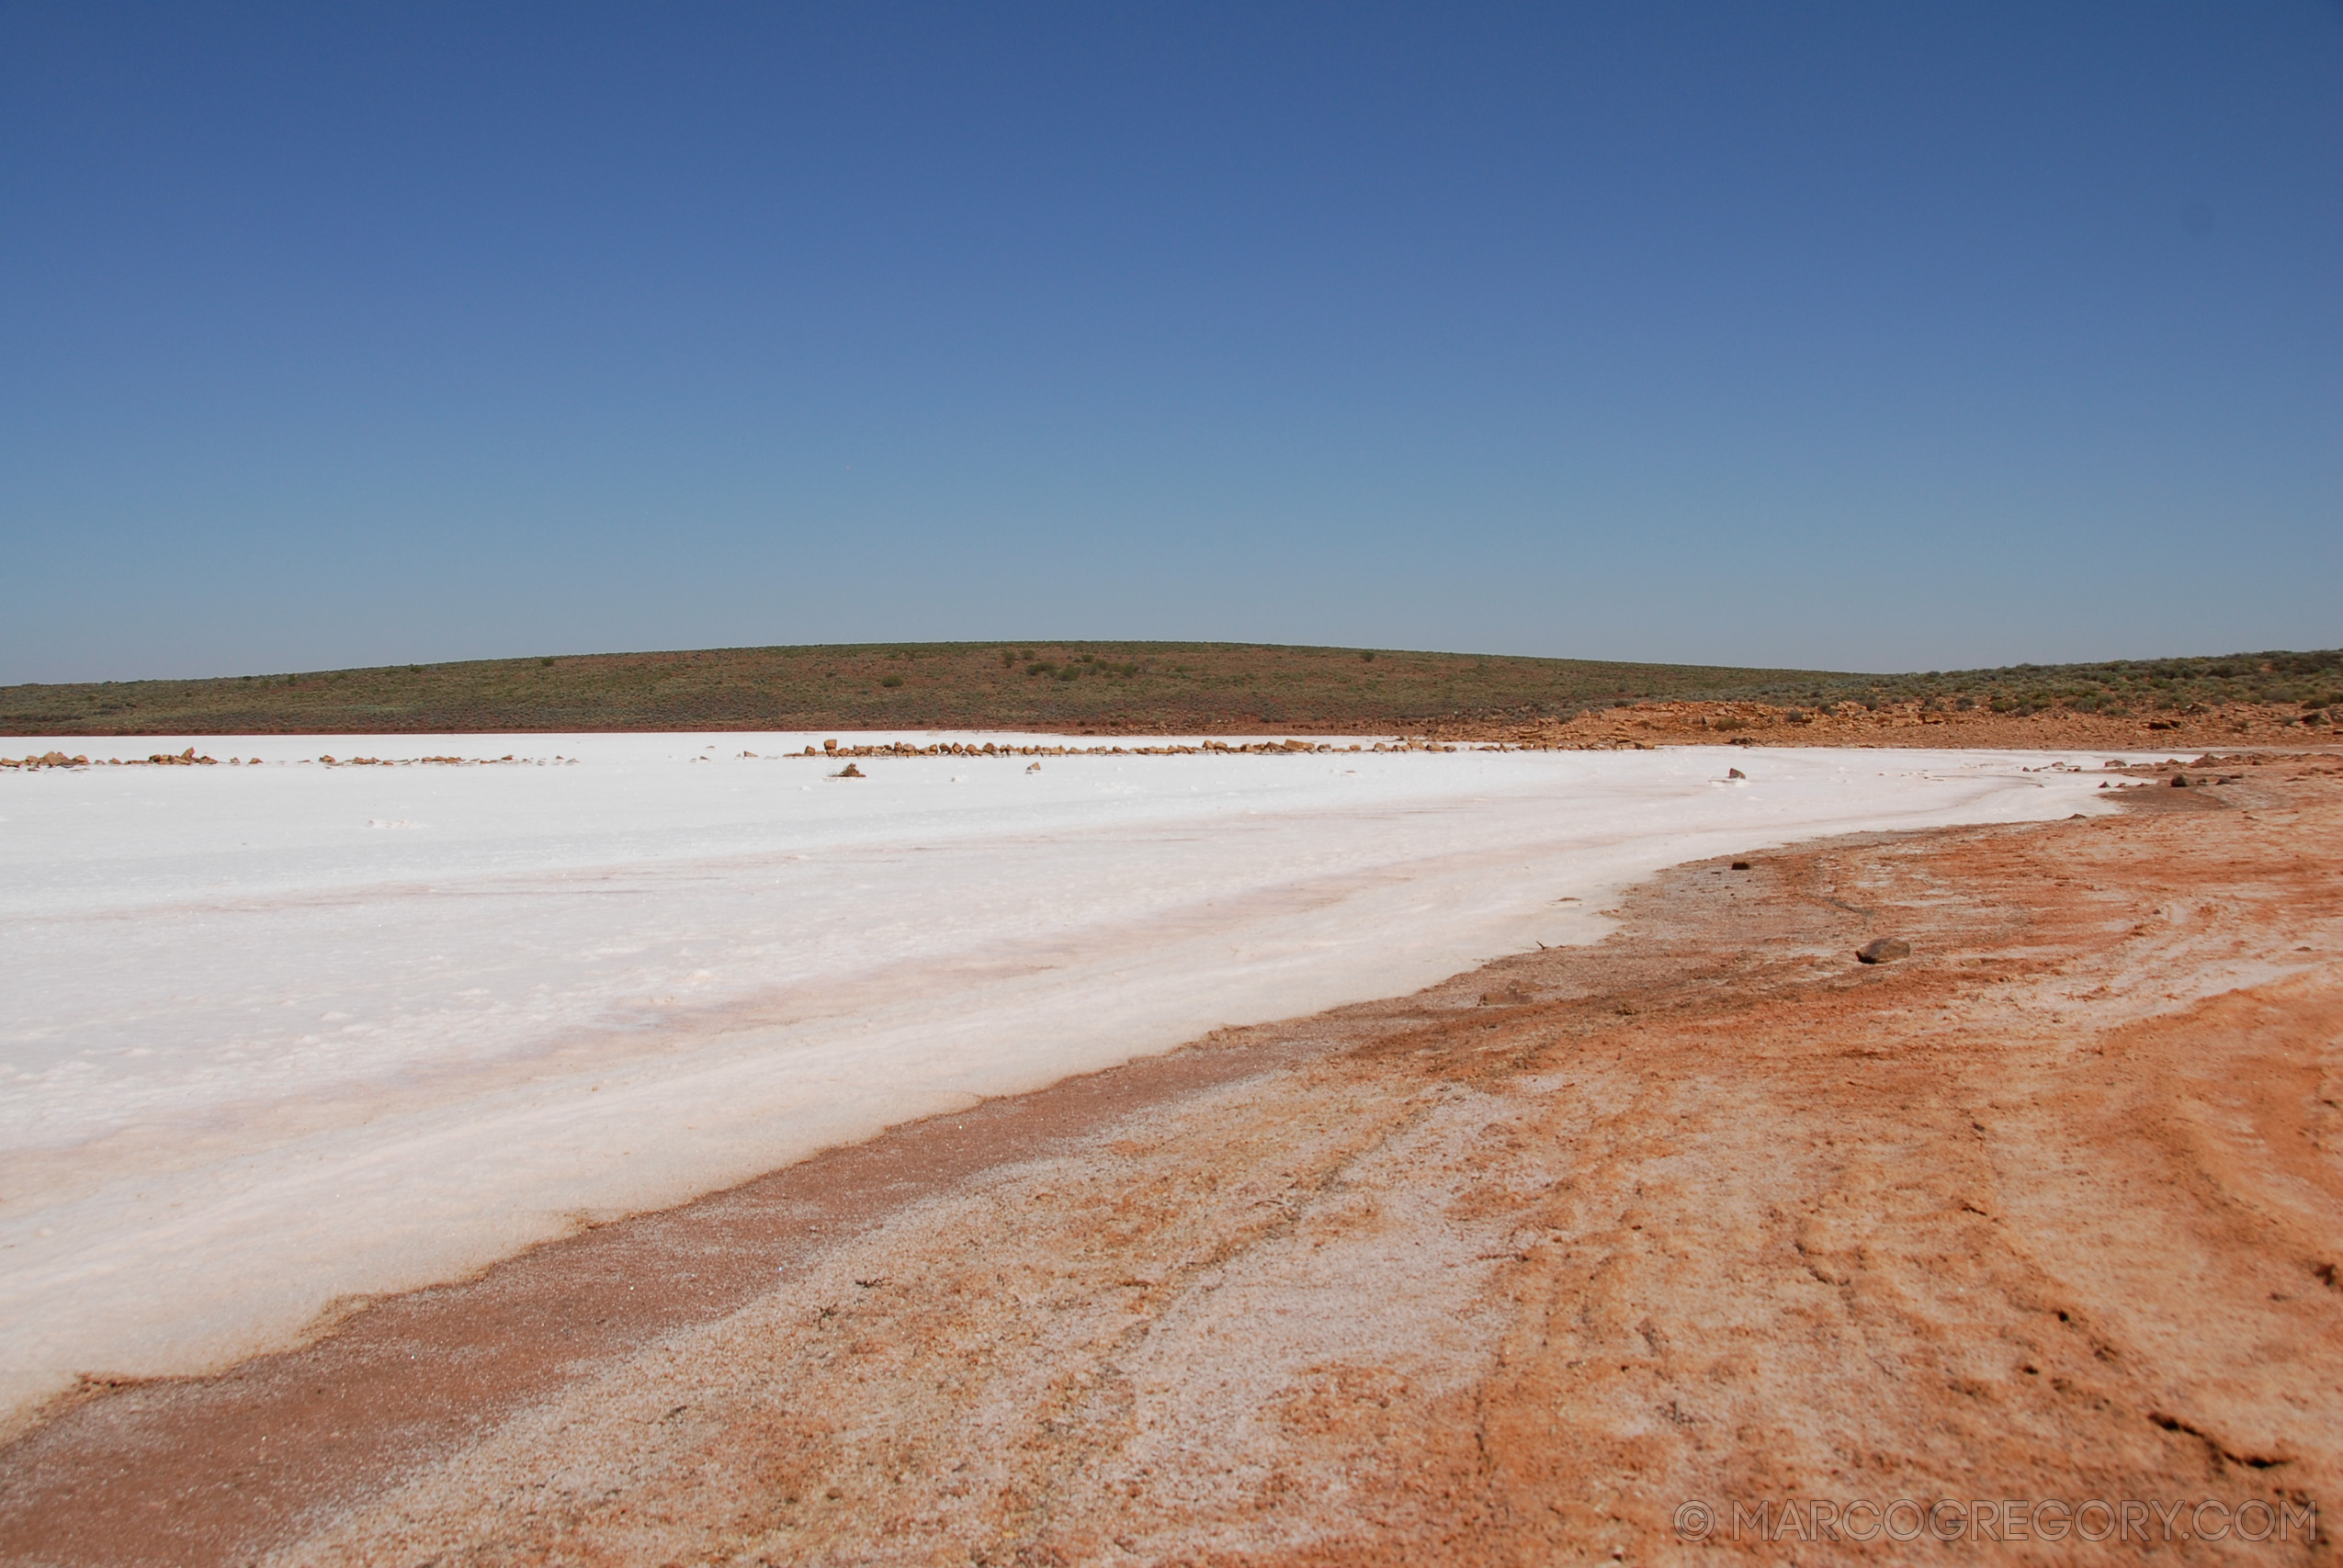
(1507, 1270)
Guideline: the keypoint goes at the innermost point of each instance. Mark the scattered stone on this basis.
(1740, 865)
(1034, 768)
(2179, 781)
(1735, 773)
(850, 772)
(1883, 950)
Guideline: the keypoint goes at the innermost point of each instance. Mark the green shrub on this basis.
(893, 681)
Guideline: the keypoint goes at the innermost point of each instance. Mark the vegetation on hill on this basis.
(1107, 688)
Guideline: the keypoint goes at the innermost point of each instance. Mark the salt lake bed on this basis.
(277, 1036)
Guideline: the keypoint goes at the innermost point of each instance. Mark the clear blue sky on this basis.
(1877, 336)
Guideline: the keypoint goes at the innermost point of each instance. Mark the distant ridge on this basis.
(1096, 687)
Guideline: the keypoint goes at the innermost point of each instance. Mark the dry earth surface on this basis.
(1502, 1272)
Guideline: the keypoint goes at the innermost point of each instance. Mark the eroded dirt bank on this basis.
(1503, 1272)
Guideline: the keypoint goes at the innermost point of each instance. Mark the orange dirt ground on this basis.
(1508, 1271)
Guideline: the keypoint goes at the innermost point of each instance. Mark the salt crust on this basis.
(260, 1055)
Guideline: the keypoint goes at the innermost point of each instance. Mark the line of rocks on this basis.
(186, 759)
(830, 750)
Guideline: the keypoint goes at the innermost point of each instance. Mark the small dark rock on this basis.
(1740, 865)
(1886, 950)
(2179, 781)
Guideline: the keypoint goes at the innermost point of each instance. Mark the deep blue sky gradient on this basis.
(1878, 336)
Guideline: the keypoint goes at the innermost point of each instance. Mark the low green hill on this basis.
(1103, 686)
